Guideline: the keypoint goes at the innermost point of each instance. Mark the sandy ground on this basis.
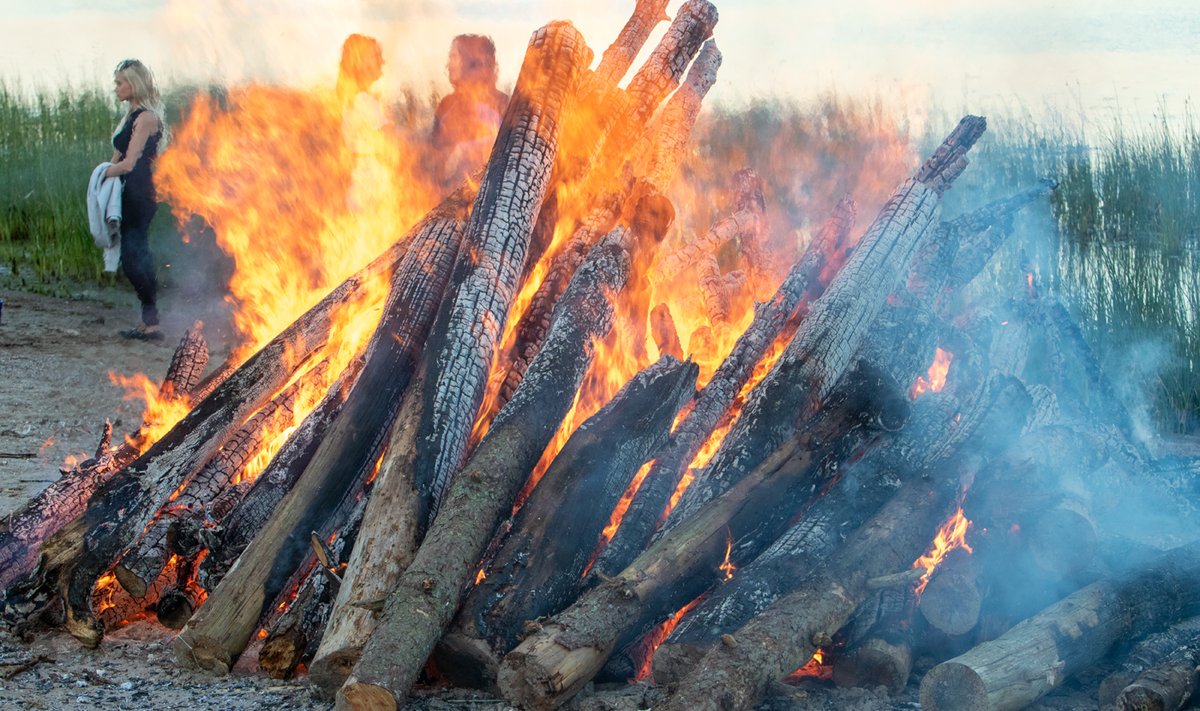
(55, 393)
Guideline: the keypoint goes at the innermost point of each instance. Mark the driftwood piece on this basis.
(346, 455)
(539, 569)
(483, 285)
(24, 530)
(838, 324)
(1012, 671)
(423, 602)
(714, 401)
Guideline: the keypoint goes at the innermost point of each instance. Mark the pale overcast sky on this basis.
(972, 55)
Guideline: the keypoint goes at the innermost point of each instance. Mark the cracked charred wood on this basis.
(539, 569)
(235, 516)
(381, 551)
(24, 530)
(1165, 687)
(554, 663)
(114, 606)
(879, 648)
(1032, 658)
(422, 604)
(485, 279)
(293, 637)
(717, 396)
(836, 326)
(964, 423)
(1154, 650)
(141, 563)
(180, 599)
(619, 56)
(346, 455)
(784, 636)
(669, 138)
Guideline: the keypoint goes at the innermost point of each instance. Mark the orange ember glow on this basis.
(658, 635)
(618, 513)
(952, 534)
(814, 668)
(936, 379)
(480, 576)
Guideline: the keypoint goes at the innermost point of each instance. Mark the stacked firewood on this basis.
(406, 517)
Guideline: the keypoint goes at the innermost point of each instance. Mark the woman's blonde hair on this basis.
(145, 94)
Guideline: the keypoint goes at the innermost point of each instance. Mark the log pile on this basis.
(448, 495)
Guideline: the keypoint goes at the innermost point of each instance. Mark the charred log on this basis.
(423, 602)
(879, 649)
(1155, 651)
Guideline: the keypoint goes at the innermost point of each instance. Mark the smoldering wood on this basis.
(827, 340)
(619, 56)
(952, 600)
(141, 563)
(23, 531)
(879, 647)
(715, 399)
(383, 550)
(1148, 653)
(1167, 686)
(421, 605)
(178, 600)
(786, 634)
(293, 637)
(345, 456)
(235, 517)
(484, 282)
(539, 569)
(555, 662)
(1062, 538)
(1034, 657)
(115, 606)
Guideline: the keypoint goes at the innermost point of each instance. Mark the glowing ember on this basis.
(814, 668)
(654, 639)
(936, 379)
(951, 535)
(726, 566)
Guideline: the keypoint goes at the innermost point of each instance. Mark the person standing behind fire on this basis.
(138, 139)
(363, 118)
(467, 120)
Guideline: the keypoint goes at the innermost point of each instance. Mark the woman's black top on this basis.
(138, 183)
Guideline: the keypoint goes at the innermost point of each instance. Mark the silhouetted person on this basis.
(467, 120)
(363, 118)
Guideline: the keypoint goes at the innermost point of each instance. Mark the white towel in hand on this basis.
(104, 215)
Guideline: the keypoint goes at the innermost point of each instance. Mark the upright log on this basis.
(539, 569)
(346, 455)
(837, 325)
(423, 602)
(1012, 671)
(484, 283)
(714, 401)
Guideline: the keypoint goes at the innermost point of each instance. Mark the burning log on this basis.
(785, 636)
(1161, 651)
(236, 515)
(678, 118)
(662, 330)
(423, 602)
(555, 662)
(619, 56)
(346, 455)
(879, 642)
(485, 278)
(830, 336)
(1032, 658)
(539, 569)
(954, 596)
(115, 606)
(141, 563)
(179, 600)
(714, 401)
(23, 531)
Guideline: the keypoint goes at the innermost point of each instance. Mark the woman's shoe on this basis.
(144, 333)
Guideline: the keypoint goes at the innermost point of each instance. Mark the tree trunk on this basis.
(346, 455)
(539, 569)
(422, 604)
(1012, 671)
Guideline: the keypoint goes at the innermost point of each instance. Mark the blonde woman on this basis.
(137, 141)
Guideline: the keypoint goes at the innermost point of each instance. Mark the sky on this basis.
(1080, 58)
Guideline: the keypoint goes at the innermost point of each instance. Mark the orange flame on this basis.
(726, 566)
(814, 668)
(936, 379)
(951, 535)
(654, 639)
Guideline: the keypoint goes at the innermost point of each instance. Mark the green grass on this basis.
(1121, 245)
